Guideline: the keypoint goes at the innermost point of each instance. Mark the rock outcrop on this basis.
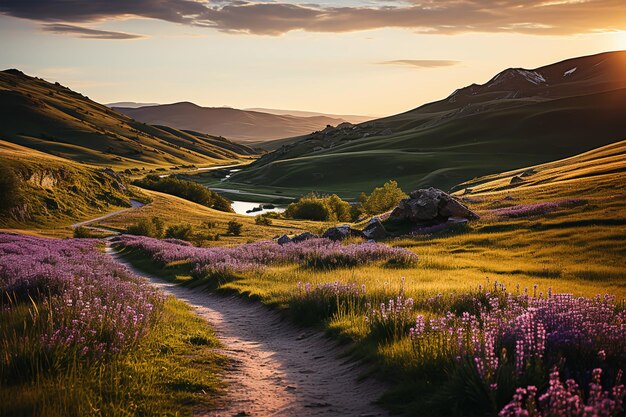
(304, 236)
(430, 206)
(375, 230)
(341, 233)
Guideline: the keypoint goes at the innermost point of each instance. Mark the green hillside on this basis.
(45, 191)
(519, 118)
(53, 119)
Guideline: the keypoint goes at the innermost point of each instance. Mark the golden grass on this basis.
(175, 210)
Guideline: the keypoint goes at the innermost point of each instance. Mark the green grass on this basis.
(175, 371)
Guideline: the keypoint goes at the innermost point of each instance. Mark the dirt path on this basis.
(133, 204)
(277, 369)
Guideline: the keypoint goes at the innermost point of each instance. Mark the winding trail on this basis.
(133, 205)
(276, 369)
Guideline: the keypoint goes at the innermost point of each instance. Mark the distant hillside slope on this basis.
(579, 174)
(239, 125)
(54, 119)
(519, 118)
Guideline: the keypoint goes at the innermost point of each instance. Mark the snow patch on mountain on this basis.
(569, 72)
(532, 77)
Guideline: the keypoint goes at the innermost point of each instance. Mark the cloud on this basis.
(82, 32)
(421, 63)
(540, 17)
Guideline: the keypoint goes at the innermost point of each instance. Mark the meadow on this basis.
(524, 307)
(80, 335)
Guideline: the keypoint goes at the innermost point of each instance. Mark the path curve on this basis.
(133, 204)
(276, 369)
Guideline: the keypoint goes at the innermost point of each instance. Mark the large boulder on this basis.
(375, 230)
(341, 233)
(430, 206)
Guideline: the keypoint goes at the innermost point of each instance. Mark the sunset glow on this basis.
(266, 54)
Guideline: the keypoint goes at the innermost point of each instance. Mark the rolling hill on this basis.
(243, 126)
(518, 118)
(601, 169)
(53, 119)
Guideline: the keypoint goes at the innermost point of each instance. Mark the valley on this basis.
(453, 260)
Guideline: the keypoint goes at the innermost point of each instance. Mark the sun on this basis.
(620, 40)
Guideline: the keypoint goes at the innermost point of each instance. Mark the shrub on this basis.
(320, 208)
(234, 228)
(82, 233)
(147, 227)
(382, 199)
(180, 231)
(262, 220)
(188, 190)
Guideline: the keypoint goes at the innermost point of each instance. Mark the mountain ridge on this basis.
(515, 119)
(52, 118)
(244, 126)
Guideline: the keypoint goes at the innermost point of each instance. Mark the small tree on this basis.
(382, 198)
(234, 228)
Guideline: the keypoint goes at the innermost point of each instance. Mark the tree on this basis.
(382, 199)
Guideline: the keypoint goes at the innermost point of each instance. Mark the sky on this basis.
(367, 57)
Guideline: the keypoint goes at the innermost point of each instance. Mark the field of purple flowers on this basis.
(82, 303)
(494, 351)
(537, 209)
(487, 351)
(65, 308)
(313, 253)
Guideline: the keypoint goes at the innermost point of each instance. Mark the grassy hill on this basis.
(519, 118)
(246, 126)
(53, 119)
(49, 192)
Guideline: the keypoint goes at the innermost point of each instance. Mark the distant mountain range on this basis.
(131, 104)
(351, 118)
(518, 118)
(53, 119)
(246, 126)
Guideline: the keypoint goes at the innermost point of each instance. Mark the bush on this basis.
(82, 233)
(189, 190)
(262, 220)
(145, 227)
(381, 199)
(180, 231)
(234, 228)
(320, 208)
